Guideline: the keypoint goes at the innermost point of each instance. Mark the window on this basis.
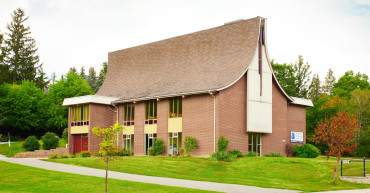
(151, 112)
(128, 142)
(254, 142)
(128, 114)
(80, 115)
(175, 107)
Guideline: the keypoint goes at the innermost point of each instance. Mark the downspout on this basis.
(117, 121)
(214, 120)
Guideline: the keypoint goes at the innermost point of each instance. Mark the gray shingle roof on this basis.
(203, 61)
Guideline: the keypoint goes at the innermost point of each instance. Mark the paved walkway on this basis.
(35, 162)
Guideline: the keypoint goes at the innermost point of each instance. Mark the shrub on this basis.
(158, 147)
(182, 152)
(306, 151)
(97, 154)
(85, 153)
(251, 154)
(65, 135)
(50, 141)
(221, 154)
(31, 144)
(125, 152)
(222, 143)
(64, 155)
(72, 156)
(190, 143)
(53, 156)
(289, 149)
(273, 154)
(236, 152)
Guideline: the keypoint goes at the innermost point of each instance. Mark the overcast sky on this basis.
(327, 33)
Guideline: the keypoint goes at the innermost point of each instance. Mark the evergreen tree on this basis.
(91, 78)
(99, 81)
(105, 68)
(4, 69)
(73, 69)
(82, 73)
(329, 82)
(53, 78)
(22, 58)
(315, 88)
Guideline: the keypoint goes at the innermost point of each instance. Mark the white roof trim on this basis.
(302, 101)
(89, 99)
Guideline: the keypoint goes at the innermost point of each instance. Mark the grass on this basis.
(19, 178)
(16, 147)
(355, 167)
(287, 173)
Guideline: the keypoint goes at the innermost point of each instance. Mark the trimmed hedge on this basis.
(50, 141)
(31, 144)
(306, 151)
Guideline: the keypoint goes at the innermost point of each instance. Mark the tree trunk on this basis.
(106, 176)
(336, 170)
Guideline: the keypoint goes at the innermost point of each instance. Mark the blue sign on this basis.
(296, 137)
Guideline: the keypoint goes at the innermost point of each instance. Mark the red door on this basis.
(80, 143)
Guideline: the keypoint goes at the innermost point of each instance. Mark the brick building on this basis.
(207, 84)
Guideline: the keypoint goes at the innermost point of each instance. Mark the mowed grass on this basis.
(16, 147)
(287, 173)
(19, 178)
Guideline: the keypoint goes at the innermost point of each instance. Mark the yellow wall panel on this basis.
(129, 130)
(79, 129)
(175, 124)
(150, 128)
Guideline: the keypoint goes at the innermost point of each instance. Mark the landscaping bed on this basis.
(16, 147)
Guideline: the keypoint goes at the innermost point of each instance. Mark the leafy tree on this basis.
(108, 147)
(338, 133)
(315, 88)
(105, 68)
(294, 78)
(190, 143)
(20, 109)
(71, 86)
(285, 75)
(329, 82)
(350, 82)
(359, 104)
(22, 58)
(302, 75)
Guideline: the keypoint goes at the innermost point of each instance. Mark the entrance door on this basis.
(80, 143)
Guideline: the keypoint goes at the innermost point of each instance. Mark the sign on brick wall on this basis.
(296, 137)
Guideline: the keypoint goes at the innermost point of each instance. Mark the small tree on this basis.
(31, 143)
(190, 144)
(338, 133)
(108, 147)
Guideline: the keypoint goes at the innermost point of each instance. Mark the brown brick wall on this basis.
(162, 122)
(273, 142)
(139, 129)
(296, 121)
(197, 113)
(231, 110)
(102, 116)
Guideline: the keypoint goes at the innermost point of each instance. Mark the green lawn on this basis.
(288, 173)
(19, 178)
(16, 147)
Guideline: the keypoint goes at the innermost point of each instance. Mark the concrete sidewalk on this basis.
(34, 162)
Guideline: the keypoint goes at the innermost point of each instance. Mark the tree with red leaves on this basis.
(339, 134)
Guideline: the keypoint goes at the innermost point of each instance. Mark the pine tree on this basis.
(302, 75)
(22, 58)
(91, 78)
(53, 78)
(4, 69)
(82, 73)
(329, 82)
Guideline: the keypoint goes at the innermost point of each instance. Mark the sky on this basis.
(327, 33)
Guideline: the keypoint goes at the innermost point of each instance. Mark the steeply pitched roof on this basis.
(199, 62)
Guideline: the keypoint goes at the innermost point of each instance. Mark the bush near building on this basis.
(50, 141)
(306, 151)
(31, 144)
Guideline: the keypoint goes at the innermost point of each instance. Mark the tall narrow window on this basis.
(128, 114)
(151, 112)
(175, 107)
(174, 126)
(255, 142)
(80, 115)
